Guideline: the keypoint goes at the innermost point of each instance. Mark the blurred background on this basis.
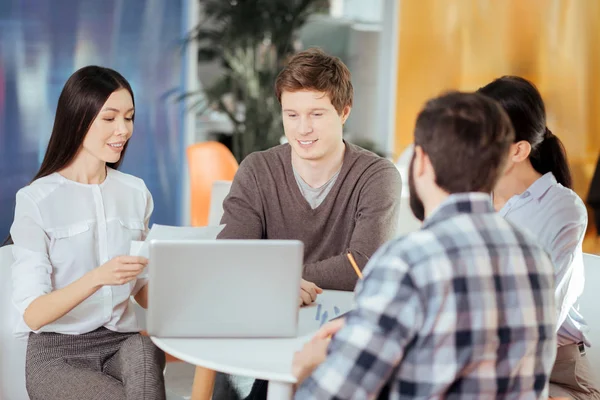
(203, 70)
(42, 43)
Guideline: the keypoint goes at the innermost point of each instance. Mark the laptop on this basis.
(224, 288)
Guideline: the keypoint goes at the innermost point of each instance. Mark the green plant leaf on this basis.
(252, 40)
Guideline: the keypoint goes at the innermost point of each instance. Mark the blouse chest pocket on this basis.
(68, 241)
(132, 229)
(70, 231)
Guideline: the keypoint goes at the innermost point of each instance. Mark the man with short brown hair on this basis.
(335, 197)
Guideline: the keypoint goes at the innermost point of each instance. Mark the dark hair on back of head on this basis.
(524, 105)
(467, 138)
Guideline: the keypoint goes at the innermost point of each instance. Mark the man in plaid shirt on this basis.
(463, 308)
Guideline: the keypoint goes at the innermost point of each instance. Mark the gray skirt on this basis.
(101, 364)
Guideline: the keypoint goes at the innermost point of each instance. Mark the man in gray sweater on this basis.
(335, 197)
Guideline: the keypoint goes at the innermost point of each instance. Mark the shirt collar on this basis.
(460, 203)
(541, 185)
(534, 192)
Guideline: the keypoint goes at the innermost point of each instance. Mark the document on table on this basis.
(165, 232)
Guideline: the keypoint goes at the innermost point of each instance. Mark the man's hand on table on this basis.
(308, 293)
(314, 352)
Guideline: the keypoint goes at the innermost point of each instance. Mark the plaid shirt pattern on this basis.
(463, 308)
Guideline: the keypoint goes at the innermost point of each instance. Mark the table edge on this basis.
(258, 374)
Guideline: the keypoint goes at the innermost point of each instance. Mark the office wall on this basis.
(43, 42)
(465, 44)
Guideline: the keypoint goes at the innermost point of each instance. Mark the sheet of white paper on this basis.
(135, 247)
(165, 232)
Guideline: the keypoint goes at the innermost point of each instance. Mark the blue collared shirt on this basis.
(557, 217)
(463, 308)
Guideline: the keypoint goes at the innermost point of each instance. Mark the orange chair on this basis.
(208, 162)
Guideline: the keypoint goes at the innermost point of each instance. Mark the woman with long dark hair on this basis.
(72, 276)
(535, 193)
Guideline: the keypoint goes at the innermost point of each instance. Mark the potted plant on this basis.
(251, 40)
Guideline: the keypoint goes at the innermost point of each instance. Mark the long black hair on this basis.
(80, 101)
(524, 105)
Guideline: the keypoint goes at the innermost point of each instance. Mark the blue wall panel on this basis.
(43, 42)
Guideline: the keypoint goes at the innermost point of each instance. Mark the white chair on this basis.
(12, 350)
(588, 306)
(220, 190)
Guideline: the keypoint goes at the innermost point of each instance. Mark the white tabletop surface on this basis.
(268, 359)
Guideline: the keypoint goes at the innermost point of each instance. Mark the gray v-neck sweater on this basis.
(358, 215)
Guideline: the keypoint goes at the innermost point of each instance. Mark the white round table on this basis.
(267, 359)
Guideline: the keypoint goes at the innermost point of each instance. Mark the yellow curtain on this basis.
(464, 44)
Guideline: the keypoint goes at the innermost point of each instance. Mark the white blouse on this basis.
(64, 229)
(557, 217)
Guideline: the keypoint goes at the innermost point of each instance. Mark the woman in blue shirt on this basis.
(535, 194)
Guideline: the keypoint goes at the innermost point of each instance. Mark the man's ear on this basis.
(419, 163)
(520, 151)
(428, 167)
(345, 114)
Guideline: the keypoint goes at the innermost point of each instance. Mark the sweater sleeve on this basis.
(242, 208)
(375, 223)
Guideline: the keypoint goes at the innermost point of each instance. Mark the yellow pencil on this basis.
(353, 262)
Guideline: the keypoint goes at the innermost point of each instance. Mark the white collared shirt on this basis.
(64, 229)
(557, 217)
